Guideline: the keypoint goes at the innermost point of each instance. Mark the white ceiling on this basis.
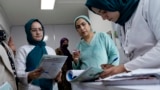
(20, 11)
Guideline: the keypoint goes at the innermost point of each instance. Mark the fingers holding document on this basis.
(35, 74)
(58, 77)
(76, 55)
(112, 71)
(106, 66)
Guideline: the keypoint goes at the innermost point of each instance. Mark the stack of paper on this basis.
(89, 74)
(136, 77)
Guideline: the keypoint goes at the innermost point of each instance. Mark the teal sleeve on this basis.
(112, 50)
(75, 66)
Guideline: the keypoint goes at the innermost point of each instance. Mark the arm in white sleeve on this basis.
(151, 59)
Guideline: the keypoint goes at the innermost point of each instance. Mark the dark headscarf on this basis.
(28, 26)
(39, 48)
(34, 57)
(62, 41)
(125, 7)
(66, 52)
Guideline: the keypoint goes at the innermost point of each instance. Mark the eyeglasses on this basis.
(36, 29)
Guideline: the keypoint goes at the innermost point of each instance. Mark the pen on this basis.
(46, 72)
(114, 60)
(97, 74)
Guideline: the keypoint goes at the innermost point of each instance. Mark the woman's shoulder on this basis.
(99, 33)
(102, 34)
(50, 50)
(58, 49)
(48, 47)
(27, 47)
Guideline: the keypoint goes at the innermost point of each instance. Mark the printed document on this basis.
(51, 65)
(89, 74)
(135, 77)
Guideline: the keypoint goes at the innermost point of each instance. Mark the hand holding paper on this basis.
(135, 77)
(89, 74)
(51, 65)
(35, 74)
(76, 55)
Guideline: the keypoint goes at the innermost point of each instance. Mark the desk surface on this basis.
(99, 86)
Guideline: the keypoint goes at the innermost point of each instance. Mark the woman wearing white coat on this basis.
(29, 56)
(138, 30)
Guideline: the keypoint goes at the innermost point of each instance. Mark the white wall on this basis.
(98, 24)
(54, 32)
(4, 23)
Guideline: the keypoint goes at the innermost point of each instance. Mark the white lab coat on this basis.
(141, 37)
(21, 66)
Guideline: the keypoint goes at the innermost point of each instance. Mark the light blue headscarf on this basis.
(84, 17)
(125, 7)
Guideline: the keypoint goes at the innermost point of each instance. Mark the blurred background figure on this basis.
(7, 66)
(63, 84)
(12, 45)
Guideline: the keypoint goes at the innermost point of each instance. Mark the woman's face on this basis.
(111, 16)
(37, 31)
(83, 27)
(65, 43)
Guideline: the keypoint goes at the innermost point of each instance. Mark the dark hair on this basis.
(3, 35)
(125, 7)
(62, 40)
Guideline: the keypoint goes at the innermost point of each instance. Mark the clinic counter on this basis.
(100, 86)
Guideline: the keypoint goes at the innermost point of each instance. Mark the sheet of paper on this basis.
(71, 74)
(51, 65)
(145, 71)
(133, 74)
(135, 77)
(83, 75)
(6, 86)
